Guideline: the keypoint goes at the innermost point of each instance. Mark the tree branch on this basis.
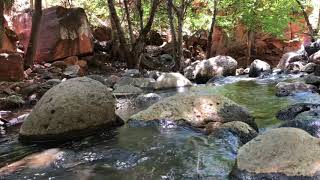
(126, 7)
(140, 11)
(311, 31)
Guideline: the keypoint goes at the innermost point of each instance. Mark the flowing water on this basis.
(158, 150)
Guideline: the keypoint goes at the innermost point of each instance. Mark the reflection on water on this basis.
(148, 152)
(142, 153)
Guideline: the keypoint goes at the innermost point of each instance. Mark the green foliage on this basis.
(270, 16)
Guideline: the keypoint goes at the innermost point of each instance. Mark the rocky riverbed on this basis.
(162, 148)
(213, 122)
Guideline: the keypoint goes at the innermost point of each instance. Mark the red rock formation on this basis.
(63, 33)
(22, 26)
(11, 67)
(8, 42)
(265, 46)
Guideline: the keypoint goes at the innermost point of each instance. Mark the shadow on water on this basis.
(154, 151)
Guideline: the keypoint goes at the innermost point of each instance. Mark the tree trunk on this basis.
(32, 46)
(2, 28)
(318, 25)
(126, 7)
(211, 32)
(305, 15)
(120, 34)
(31, 4)
(139, 45)
(249, 46)
(180, 43)
(172, 30)
(133, 57)
(140, 11)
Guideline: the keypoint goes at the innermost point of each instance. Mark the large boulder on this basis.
(172, 80)
(198, 110)
(312, 48)
(291, 57)
(309, 68)
(284, 153)
(257, 67)
(11, 67)
(64, 32)
(288, 89)
(213, 67)
(72, 109)
(295, 67)
(315, 58)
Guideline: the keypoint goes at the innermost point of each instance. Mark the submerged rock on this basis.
(283, 153)
(172, 80)
(257, 67)
(304, 116)
(146, 99)
(144, 83)
(292, 111)
(72, 109)
(238, 128)
(39, 160)
(308, 125)
(131, 73)
(198, 110)
(127, 90)
(312, 79)
(204, 70)
(288, 89)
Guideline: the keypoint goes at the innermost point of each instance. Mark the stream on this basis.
(160, 150)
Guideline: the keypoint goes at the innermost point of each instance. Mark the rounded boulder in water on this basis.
(283, 153)
(257, 67)
(198, 110)
(72, 109)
